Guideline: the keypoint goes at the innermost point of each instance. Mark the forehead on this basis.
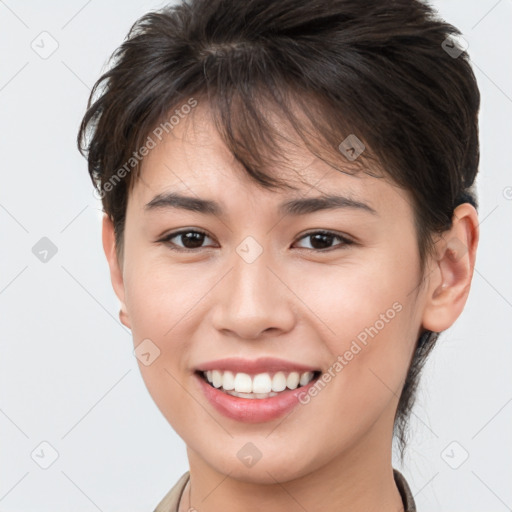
(192, 158)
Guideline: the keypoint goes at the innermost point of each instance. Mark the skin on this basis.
(293, 302)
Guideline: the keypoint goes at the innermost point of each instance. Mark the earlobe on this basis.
(116, 273)
(451, 274)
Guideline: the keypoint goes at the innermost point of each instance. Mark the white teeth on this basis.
(251, 395)
(243, 383)
(279, 382)
(305, 378)
(228, 381)
(216, 378)
(293, 380)
(261, 385)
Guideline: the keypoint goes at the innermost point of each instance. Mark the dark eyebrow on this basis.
(194, 204)
(329, 202)
(301, 206)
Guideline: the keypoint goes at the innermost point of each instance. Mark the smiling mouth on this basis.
(261, 385)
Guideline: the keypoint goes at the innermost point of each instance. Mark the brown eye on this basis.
(322, 240)
(190, 239)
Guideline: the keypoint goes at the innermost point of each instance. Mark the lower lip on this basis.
(253, 410)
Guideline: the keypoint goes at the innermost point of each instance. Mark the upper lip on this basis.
(254, 366)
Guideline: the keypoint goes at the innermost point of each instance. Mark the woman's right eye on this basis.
(191, 240)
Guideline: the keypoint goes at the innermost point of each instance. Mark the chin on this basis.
(267, 470)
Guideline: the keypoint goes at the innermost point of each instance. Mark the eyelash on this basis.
(345, 241)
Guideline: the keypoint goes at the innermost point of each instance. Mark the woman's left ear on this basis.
(450, 275)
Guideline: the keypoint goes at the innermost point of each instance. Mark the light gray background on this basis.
(67, 370)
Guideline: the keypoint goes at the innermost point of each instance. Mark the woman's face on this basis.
(262, 283)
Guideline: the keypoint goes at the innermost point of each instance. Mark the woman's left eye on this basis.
(323, 239)
(193, 239)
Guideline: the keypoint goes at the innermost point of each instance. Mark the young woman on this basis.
(290, 222)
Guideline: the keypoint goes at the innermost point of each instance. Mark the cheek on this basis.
(159, 295)
(158, 302)
(366, 321)
(351, 298)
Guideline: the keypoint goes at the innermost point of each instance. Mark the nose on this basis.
(253, 299)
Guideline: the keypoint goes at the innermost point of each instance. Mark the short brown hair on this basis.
(378, 70)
